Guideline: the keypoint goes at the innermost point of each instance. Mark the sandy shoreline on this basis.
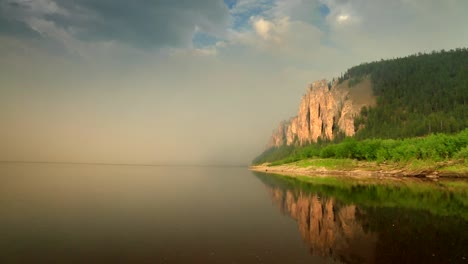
(292, 170)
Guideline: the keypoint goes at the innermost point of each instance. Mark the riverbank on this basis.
(365, 169)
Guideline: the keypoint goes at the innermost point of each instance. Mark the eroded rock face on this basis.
(323, 112)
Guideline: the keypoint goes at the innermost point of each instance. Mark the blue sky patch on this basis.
(324, 10)
(230, 3)
(241, 14)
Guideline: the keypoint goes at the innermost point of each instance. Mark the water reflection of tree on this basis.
(355, 234)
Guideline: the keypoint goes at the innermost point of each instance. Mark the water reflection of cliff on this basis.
(351, 233)
(331, 230)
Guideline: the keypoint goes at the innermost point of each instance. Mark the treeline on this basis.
(435, 147)
(416, 95)
(276, 153)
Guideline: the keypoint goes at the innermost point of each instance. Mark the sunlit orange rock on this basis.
(324, 111)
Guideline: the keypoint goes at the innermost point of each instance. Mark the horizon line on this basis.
(127, 164)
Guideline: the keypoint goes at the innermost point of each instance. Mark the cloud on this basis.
(263, 27)
(342, 18)
(300, 10)
(146, 24)
(196, 80)
(242, 11)
(383, 29)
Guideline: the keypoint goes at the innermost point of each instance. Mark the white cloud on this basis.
(342, 18)
(262, 27)
(271, 30)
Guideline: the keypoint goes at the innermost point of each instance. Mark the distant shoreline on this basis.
(120, 164)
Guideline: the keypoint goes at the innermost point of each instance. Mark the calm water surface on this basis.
(68, 213)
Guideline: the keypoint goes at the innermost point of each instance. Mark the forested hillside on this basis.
(417, 95)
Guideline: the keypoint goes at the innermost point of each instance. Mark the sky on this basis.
(187, 82)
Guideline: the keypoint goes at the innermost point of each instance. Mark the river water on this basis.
(71, 213)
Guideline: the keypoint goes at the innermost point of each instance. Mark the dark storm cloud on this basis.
(143, 23)
(17, 28)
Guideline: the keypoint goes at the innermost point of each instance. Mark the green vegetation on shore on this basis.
(422, 101)
(433, 148)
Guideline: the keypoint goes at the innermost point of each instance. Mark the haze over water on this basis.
(71, 213)
(187, 82)
(86, 82)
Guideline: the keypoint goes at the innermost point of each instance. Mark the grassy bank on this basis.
(441, 153)
(358, 169)
(454, 167)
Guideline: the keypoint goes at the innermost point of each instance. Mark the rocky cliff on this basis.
(324, 111)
